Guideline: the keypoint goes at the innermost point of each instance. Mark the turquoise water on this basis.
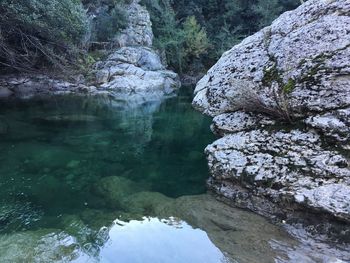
(87, 180)
(68, 166)
(54, 151)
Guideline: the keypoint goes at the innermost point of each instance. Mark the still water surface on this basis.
(84, 180)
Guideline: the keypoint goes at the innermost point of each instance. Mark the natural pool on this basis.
(86, 180)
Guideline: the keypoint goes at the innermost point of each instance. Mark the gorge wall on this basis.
(281, 102)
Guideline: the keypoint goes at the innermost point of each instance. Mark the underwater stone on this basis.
(114, 189)
(147, 203)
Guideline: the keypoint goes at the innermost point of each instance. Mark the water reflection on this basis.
(70, 167)
(154, 240)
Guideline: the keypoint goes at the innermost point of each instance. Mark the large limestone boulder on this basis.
(304, 53)
(281, 101)
(135, 69)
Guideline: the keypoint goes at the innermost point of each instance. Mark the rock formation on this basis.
(135, 67)
(281, 101)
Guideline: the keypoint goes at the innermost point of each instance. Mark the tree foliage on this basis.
(195, 38)
(225, 22)
(33, 32)
(182, 41)
(37, 34)
(108, 23)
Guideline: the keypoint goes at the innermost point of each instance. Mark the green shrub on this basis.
(108, 23)
(169, 36)
(196, 40)
(37, 32)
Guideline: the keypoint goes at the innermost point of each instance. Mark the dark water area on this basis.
(53, 151)
(92, 180)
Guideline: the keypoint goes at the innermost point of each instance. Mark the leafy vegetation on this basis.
(225, 23)
(35, 32)
(191, 34)
(108, 24)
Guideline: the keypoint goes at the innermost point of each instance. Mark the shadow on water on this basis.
(83, 180)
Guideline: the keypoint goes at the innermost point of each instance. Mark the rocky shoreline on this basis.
(280, 101)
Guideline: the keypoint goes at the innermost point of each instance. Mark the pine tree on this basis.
(196, 40)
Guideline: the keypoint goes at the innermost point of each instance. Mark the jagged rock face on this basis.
(284, 166)
(334, 124)
(25, 86)
(262, 163)
(139, 31)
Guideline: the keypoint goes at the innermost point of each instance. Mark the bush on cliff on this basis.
(108, 23)
(34, 33)
(107, 18)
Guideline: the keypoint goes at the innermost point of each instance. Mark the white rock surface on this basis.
(301, 62)
(334, 124)
(310, 46)
(135, 68)
(282, 165)
(239, 121)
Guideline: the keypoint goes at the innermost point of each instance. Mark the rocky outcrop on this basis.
(27, 86)
(135, 67)
(281, 101)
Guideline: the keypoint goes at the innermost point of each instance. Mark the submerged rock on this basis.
(4, 127)
(281, 102)
(5, 92)
(73, 118)
(114, 189)
(244, 237)
(147, 203)
(16, 215)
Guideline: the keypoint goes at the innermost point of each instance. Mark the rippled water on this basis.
(86, 180)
